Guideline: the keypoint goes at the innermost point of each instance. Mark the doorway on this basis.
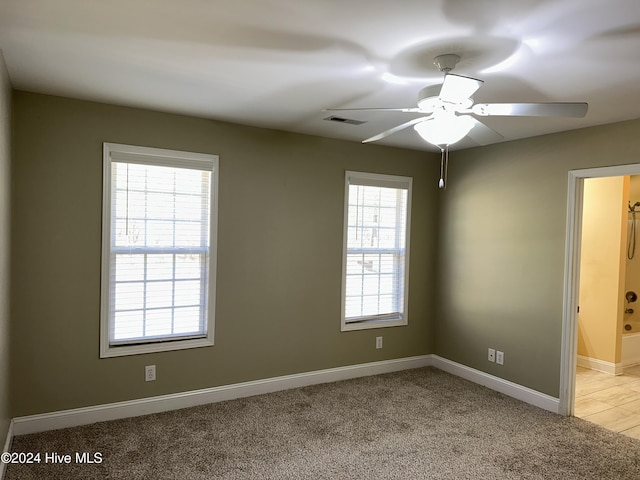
(568, 367)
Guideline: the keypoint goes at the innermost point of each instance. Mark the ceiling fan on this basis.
(449, 112)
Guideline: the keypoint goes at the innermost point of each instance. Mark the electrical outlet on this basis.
(492, 355)
(378, 342)
(500, 357)
(149, 373)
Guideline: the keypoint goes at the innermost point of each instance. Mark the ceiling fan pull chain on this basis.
(441, 182)
(446, 165)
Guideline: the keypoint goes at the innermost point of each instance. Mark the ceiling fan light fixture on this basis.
(444, 130)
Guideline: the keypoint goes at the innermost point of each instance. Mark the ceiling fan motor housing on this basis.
(428, 98)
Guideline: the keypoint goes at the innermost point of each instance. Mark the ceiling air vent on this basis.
(350, 121)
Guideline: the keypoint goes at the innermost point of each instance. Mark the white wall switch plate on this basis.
(492, 355)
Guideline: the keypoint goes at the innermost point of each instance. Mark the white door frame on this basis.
(568, 353)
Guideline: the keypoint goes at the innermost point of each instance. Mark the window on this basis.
(158, 250)
(375, 261)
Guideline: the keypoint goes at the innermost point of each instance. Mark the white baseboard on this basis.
(498, 384)
(599, 365)
(6, 448)
(175, 401)
(113, 411)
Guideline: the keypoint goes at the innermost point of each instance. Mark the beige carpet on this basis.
(416, 424)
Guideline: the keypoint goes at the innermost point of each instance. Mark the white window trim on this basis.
(392, 181)
(155, 156)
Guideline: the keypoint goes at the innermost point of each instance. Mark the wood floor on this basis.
(612, 401)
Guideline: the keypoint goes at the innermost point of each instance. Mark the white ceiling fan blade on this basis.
(402, 126)
(532, 109)
(457, 89)
(407, 110)
(483, 135)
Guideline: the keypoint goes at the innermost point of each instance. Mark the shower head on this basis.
(632, 208)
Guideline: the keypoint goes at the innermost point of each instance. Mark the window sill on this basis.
(347, 327)
(107, 351)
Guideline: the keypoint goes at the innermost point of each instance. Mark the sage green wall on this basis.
(279, 254)
(5, 212)
(503, 230)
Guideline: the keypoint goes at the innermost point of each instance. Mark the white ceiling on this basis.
(278, 63)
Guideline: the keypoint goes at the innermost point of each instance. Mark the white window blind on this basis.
(158, 254)
(375, 266)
